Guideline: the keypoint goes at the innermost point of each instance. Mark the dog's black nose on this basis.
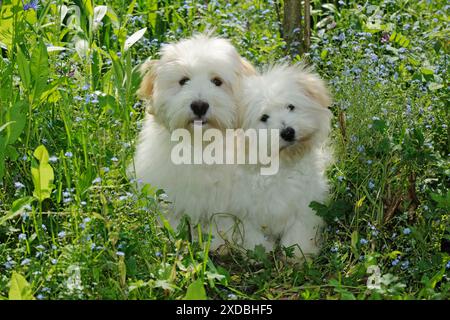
(288, 134)
(199, 107)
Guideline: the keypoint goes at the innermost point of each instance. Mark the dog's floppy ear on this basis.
(247, 68)
(148, 73)
(314, 87)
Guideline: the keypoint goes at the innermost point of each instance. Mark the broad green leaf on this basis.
(88, 7)
(435, 86)
(6, 24)
(152, 15)
(134, 38)
(19, 116)
(360, 202)
(112, 15)
(354, 242)
(11, 153)
(394, 254)
(122, 272)
(2, 157)
(3, 127)
(19, 288)
(39, 69)
(131, 7)
(196, 291)
(16, 209)
(426, 71)
(24, 69)
(42, 174)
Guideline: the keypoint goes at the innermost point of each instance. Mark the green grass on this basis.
(70, 87)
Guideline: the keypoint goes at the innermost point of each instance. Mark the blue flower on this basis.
(120, 253)
(447, 266)
(363, 241)
(334, 249)
(395, 262)
(67, 200)
(405, 265)
(68, 154)
(371, 184)
(40, 297)
(24, 216)
(25, 262)
(53, 159)
(85, 87)
(406, 231)
(22, 236)
(33, 4)
(61, 234)
(97, 180)
(19, 185)
(94, 98)
(114, 159)
(360, 148)
(54, 261)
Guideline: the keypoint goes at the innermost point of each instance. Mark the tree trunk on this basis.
(307, 26)
(292, 26)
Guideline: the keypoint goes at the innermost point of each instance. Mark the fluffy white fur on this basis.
(276, 207)
(199, 191)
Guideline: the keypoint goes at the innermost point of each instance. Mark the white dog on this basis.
(197, 79)
(276, 207)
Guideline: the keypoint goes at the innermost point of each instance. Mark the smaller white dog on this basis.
(196, 81)
(293, 100)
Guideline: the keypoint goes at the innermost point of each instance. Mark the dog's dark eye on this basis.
(217, 81)
(291, 107)
(264, 117)
(183, 81)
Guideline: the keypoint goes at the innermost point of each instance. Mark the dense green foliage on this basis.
(73, 226)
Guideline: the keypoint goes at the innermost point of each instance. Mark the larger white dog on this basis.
(195, 80)
(293, 100)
